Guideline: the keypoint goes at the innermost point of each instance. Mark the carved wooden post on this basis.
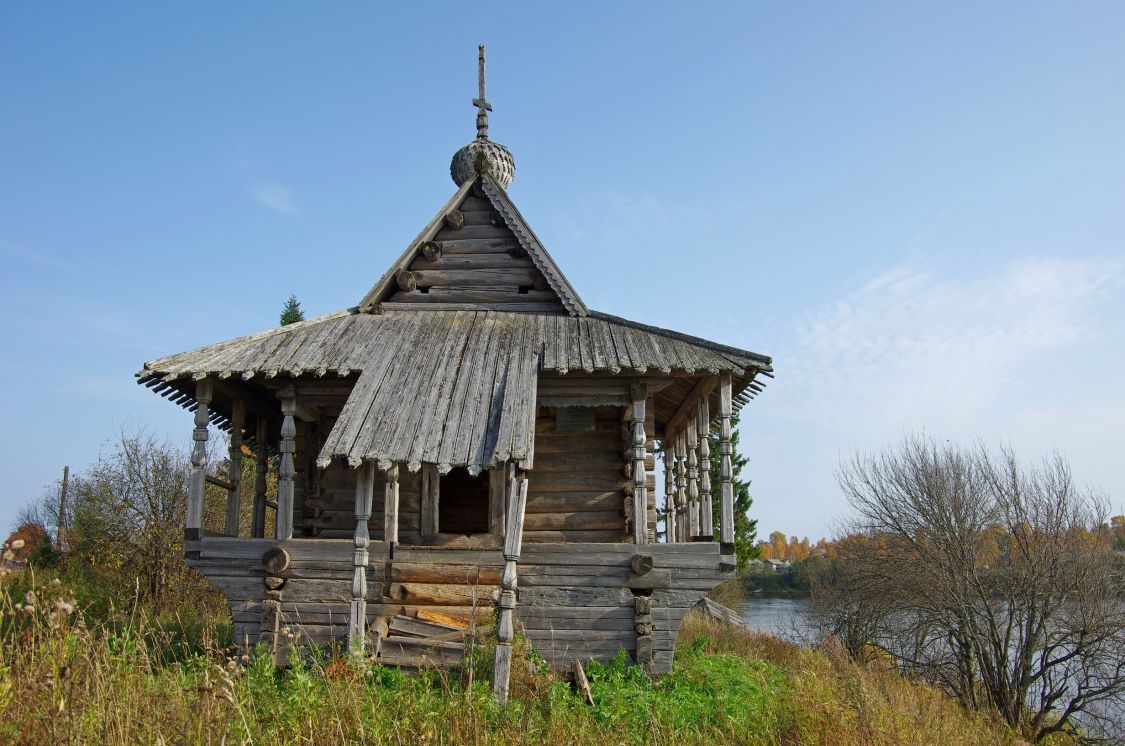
(261, 465)
(357, 617)
(669, 492)
(193, 522)
(706, 515)
(390, 504)
(234, 493)
(286, 470)
(681, 485)
(726, 487)
(638, 392)
(505, 627)
(693, 477)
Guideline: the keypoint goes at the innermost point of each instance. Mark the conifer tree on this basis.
(291, 313)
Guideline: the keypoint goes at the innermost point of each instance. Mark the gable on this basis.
(476, 254)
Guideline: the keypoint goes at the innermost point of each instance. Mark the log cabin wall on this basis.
(576, 600)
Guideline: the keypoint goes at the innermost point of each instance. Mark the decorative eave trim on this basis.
(531, 244)
(370, 302)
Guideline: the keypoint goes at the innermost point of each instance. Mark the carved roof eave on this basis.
(370, 302)
(534, 248)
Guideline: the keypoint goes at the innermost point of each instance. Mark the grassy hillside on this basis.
(71, 672)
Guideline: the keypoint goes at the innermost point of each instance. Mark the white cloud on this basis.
(274, 196)
(1027, 354)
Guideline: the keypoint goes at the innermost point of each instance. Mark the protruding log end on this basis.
(641, 564)
(275, 560)
(407, 281)
(541, 283)
(455, 220)
(431, 250)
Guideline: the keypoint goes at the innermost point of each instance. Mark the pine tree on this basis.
(745, 528)
(291, 313)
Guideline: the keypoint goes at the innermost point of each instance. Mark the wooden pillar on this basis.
(193, 522)
(261, 457)
(431, 497)
(286, 469)
(234, 492)
(357, 615)
(681, 486)
(726, 486)
(693, 476)
(638, 392)
(390, 505)
(669, 492)
(706, 515)
(505, 626)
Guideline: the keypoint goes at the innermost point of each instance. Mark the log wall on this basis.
(576, 601)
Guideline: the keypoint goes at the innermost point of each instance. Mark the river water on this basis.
(781, 617)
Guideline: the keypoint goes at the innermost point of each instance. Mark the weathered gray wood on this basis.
(692, 437)
(707, 521)
(234, 505)
(193, 523)
(671, 535)
(639, 394)
(726, 486)
(582, 682)
(473, 277)
(364, 496)
(689, 409)
(287, 447)
(390, 505)
(683, 529)
(497, 500)
(479, 245)
(431, 496)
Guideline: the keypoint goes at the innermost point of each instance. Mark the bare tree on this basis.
(992, 580)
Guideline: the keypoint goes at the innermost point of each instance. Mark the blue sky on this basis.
(919, 211)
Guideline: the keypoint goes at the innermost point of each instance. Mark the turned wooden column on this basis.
(505, 625)
(706, 515)
(638, 392)
(692, 477)
(681, 486)
(234, 492)
(261, 465)
(669, 492)
(357, 613)
(193, 521)
(286, 470)
(390, 504)
(726, 486)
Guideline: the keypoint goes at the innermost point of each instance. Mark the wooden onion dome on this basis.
(483, 156)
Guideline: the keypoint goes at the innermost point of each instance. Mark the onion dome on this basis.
(482, 156)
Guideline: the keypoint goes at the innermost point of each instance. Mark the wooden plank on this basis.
(488, 260)
(478, 245)
(438, 594)
(575, 521)
(484, 277)
(474, 231)
(574, 536)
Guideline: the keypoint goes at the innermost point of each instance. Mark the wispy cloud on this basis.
(37, 257)
(1024, 354)
(274, 196)
(911, 342)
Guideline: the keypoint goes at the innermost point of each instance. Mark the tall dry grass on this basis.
(64, 680)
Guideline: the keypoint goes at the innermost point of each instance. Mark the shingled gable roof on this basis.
(516, 224)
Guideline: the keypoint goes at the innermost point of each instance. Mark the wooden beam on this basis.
(689, 408)
(261, 458)
(390, 505)
(513, 541)
(638, 393)
(234, 492)
(286, 470)
(726, 486)
(706, 517)
(431, 500)
(692, 436)
(357, 617)
(193, 522)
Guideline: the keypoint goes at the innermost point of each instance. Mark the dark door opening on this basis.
(463, 506)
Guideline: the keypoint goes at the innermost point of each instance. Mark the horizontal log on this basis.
(474, 296)
(473, 231)
(444, 573)
(575, 596)
(484, 260)
(574, 536)
(475, 277)
(437, 594)
(574, 521)
(514, 307)
(554, 502)
(479, 246)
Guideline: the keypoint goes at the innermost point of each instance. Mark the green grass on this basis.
(123, 677)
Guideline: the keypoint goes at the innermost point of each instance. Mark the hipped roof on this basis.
(453, 388)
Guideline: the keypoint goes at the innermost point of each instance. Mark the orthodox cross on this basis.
(481, 103)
